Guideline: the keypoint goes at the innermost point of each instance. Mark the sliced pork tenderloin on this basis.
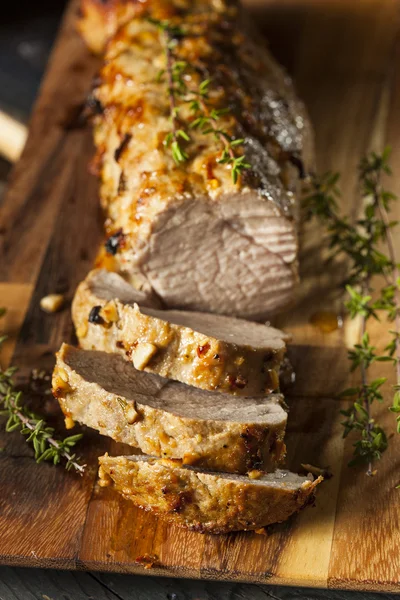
(169, 419)
(203, 501)
(188, 231)
(211, 352)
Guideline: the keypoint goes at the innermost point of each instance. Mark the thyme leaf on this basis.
(35, 429)
(361, 242)
(206, 118)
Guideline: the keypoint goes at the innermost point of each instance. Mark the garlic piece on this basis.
(52, 303)
(190, 458)
(142, 354)
(63, 374)
(109, 312)
(255, 474)
(69, 423)
(104, 478)
(82, 330)
(131, 415)
(60, 387)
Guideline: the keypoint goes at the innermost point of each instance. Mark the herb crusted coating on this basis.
(200, 239)
(210, 352)
(169, 419)
(203, 501)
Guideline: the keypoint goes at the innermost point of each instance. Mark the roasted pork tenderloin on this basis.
(166, 418)
(203, 501)
(202, 146)
(207, 351)
(188, 232)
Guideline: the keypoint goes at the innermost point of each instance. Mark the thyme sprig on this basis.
(367, 297)
(206, 118)
(173, 72)
(32, 426)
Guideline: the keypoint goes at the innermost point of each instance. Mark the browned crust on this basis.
(100, 19)
(180, 353)
(142, 186)
(218, 445)
(203, 502)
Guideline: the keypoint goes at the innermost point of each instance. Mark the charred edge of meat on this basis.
(298, 163)
(74, 117)
(92, 107)
(96, 163)
(237, 381)
(268, 356)
(114, 242)
(180, 501)
(308, 501)
(123, 145)
(122, 183)
(277, 447)
(95, 317)
(96, 82)
(177, 501)
(253, 438)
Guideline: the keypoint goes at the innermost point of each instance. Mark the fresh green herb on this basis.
(176, 86)
(32, 426)
(206, 118)
(368, 297)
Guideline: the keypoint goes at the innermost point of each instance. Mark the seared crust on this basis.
(168, 419)
(147, 196)
(100, 19)
(206, 502)
(174, 350)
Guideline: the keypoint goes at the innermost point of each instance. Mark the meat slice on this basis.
(166, 418)
(200, 240)
(203, 501)
(211, 352)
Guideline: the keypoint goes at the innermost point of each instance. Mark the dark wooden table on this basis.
(26, 35)
(35, 584)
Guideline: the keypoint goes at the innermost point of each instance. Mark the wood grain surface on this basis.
(344, 57)
(41, 584)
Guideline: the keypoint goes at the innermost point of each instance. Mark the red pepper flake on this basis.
(209, 165)
(182, 499)
(202, 350)
(131, 349)
(96, 163)
(298, 163)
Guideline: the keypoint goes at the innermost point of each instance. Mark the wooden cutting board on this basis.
(344, 57)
